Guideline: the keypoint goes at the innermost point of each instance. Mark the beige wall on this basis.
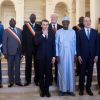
(21, 10)
(37, 7)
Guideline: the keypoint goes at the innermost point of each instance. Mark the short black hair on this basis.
(45, 20)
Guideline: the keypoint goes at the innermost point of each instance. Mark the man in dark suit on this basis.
(87, 51)
(29, 49)
(54, 26)
(98, 64)
(45, 42)
(1, 34)
(77, 28)
(12, 51)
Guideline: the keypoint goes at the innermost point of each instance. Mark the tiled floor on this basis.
(30, 96)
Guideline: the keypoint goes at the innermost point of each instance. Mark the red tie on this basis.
(54, 28)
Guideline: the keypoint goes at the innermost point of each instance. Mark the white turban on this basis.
(65, 18)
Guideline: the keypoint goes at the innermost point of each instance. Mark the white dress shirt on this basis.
(55, 26)
(86, 31)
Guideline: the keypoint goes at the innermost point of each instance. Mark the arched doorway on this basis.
(61, 10)
(87, 8)
(7, 12)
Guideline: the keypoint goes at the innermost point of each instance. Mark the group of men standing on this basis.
(51, 45)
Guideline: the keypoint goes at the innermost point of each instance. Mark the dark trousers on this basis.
(14, 68)
(56, 72)
(77, 67)
(87, 65)
(0, 72)
(98, 72)
(28, 69)
(44, 73)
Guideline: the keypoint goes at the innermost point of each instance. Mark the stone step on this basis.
(5, 79)
(35, 89)
(22, 71)
(22, 75)
(22, 67)
(5, 82)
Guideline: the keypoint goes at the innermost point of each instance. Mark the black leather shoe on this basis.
(72, 94)
(99, 92)
(81, 93)
(89, 92)
(36, 82)
(48, 94)
(42, 94)
(10, 85)
(1, 86)
(27, 83)
(19, 84)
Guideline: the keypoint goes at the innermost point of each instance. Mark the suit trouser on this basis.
(28, 68)
(98, 72)
(14, 68)
(87, 65)
(44, 73)
(0, 71)
(77, 67)
(56, 71)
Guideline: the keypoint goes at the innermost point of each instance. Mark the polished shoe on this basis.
(89, 92)
(1, 86)
(67, 93)
(99, 91)
(27, 83)
(81, 93)
(72, 94)
(63, 93)
(19, 84)
(10, 85)
(47, 94)
(36, 82)
(42, 94)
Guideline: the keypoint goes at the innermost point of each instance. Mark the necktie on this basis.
(54, 28)
(46, 36)
(88, 33)
(33, 26)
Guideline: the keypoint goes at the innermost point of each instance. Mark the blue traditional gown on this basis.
(66, 50)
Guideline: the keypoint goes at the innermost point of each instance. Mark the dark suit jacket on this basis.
(87, 47)
(45, 47)
(1, 34)
(58, 27)
(28, 39)
(99, 45)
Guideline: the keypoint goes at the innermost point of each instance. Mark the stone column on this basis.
(20, 13)
(49, 8)
(71, 17)
(80, 9)
(94, 11)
